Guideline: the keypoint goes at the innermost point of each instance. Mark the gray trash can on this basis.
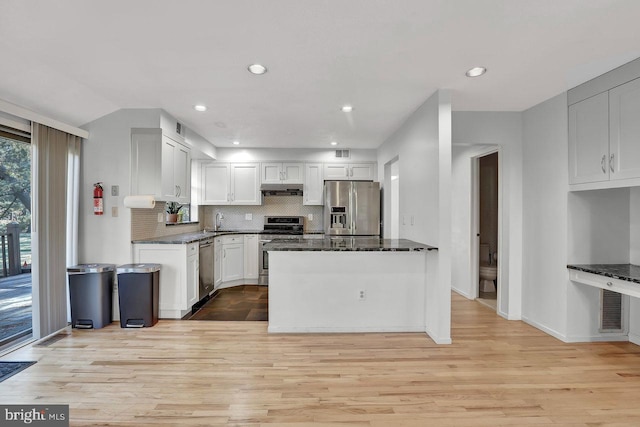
(90, 292)
(138, 293)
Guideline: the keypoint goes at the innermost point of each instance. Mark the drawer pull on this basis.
(609, 284)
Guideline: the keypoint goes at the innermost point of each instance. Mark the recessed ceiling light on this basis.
(236, 142)
(200, 107)
(476, 72)
(347, 108)
(257, 69)
(333, 143)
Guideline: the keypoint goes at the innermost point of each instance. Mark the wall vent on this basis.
(180, 129)
(343, 154)
(611, 311)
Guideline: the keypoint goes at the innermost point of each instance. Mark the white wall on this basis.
(475, 133)
(422, 146)
(545, 233)
(634, 258)
(106, 158)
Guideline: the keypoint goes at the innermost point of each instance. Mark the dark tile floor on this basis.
(247, 302)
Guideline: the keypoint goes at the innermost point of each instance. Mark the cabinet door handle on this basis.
(604, 159)
(609, 284)
(611, 162)
(232, 197)
(224, 253)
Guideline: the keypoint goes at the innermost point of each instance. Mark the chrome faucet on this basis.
(217, 224)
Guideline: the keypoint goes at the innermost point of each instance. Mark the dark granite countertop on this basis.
(628, 272)
(347, 244)
(185, 238)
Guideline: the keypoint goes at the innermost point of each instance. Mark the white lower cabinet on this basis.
(251, 256)
(232, 258)
(178, 275)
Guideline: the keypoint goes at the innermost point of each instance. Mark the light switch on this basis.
(248, 217)
(115, 190)
(114, 211)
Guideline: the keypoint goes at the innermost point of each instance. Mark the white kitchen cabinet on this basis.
(245, 184)
(215, 184)
(313, 190)
(232, 258)
(624, 131)
(230, 184)
(349, 171)
(178, 275)
(160, 166)
(251, 256)
(281, 173)
(589, 140)
(217, 262)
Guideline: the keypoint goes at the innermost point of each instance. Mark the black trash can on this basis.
(90, 294)
(138, 292)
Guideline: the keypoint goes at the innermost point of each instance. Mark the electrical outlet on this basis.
(114, 211)
(248, 217)
(115, 190)
(160, 217)
(362, 295)
(310, 217)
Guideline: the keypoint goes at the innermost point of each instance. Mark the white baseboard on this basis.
(464, 294)
(545, 329)
(634, 338)
(436, 339)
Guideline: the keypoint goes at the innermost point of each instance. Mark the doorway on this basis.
(486, 230)
(15, 237)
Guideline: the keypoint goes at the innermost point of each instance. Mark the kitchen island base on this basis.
(338, 291)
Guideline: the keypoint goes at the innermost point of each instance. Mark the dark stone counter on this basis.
(628, 272)
(354, 244)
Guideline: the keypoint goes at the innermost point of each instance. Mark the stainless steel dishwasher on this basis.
(206, 268)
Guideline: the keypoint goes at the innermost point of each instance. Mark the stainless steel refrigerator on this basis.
(351, 208)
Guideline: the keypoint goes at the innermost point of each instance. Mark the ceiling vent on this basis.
(343, 154)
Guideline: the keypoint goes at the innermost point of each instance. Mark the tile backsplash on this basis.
(234, 216)
(145, 225)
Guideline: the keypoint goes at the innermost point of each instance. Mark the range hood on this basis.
(281, 189)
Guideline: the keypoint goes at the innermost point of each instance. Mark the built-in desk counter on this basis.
(621, 278)
(347, 284)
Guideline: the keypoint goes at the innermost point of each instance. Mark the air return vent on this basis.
(343, 154)
(611, 311)
(180, 129)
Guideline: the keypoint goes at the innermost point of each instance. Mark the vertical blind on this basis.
(54, 187)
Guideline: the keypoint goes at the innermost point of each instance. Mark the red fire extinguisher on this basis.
(98, 208)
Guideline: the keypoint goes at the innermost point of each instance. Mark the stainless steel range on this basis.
(277, 227)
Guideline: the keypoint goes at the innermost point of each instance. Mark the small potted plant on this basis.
(173, 209)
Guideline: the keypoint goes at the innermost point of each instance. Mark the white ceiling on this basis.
(77, 60)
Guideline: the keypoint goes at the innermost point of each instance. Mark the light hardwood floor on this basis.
(206, 373)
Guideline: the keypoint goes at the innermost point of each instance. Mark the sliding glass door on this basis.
(15, 236)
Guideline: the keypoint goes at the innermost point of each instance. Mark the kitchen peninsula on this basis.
(348, 284)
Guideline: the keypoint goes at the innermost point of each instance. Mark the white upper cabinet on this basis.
(589, 140)
(624, 137)
(282, 173)
(313, 184)
(230, 184)
(349, 171)
(160, 166)
(216, 184)
(245, 184)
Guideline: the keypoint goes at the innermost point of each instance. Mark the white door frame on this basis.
(475, 228)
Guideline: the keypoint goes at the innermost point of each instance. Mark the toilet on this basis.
(488, 269)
